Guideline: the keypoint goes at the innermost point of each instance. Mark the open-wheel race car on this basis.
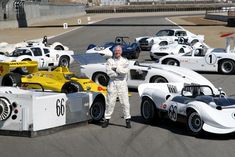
(129, 50)
(28, 112)
(59, 80)
(197, 105)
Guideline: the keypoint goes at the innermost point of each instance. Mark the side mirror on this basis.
(47, 55)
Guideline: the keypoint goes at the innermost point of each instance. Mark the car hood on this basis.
(190, 75)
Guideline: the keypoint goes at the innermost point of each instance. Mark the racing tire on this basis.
(171, 62)
(152, 58)
(137, 54)
(11, 80)
(71, 87)
(158, 79)
(59, 47)
(64, 61)
(148, 110)
(22, 71)
(194, 123)
(97, 110)
(227, 67)
(101, 79)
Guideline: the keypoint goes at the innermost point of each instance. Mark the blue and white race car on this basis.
(200, 106)
(130, 50)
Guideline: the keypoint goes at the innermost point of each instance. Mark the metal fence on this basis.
(156, 8)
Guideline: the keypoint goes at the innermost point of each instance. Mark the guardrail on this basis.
(156, 8)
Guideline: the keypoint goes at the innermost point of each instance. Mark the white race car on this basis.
(177, 47)
(6, 48)
(204, 59)
(167, 36)
(46, 57)
(197, 105)
(26, 111)
(94, 67)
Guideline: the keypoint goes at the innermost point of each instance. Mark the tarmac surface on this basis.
(163, 139)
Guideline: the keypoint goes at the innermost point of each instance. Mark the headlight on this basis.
(152, 42)
(5, 109)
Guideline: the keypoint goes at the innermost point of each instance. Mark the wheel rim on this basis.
(24, 70)
(5, 110)
(172, 62)
(64, 62)
(101, 79)
(160, 80)
(147, 110)
(195, 122)
(227, 67)
(97, 111)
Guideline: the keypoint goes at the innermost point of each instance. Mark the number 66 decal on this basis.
(60, 107)
(211, 58)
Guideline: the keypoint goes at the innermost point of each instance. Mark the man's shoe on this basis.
(128, 123)
(105, 124)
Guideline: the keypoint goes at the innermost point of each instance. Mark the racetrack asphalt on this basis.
(143, 140)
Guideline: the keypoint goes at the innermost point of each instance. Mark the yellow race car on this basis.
(60, 80)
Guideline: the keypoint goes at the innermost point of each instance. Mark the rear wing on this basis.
(6, 67)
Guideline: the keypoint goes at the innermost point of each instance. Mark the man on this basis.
(117, 69)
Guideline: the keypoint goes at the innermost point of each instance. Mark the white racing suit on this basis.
(117, 70)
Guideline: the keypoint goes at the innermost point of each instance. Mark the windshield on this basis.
(218, 50)
(20, 52)
(223, 101)
(165, 33)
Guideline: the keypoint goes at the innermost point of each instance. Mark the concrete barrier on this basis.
(223, 18)
(37, 12)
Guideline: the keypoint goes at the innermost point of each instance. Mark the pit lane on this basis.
(164, 139)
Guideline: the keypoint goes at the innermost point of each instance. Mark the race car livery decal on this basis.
(172, 88)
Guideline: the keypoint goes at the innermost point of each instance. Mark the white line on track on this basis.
(51, 37)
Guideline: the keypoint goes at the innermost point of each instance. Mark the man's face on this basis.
(118, 52)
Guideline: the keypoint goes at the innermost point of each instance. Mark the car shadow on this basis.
(212, 73)
(133, 90)
(110, 124)
(181, 129)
